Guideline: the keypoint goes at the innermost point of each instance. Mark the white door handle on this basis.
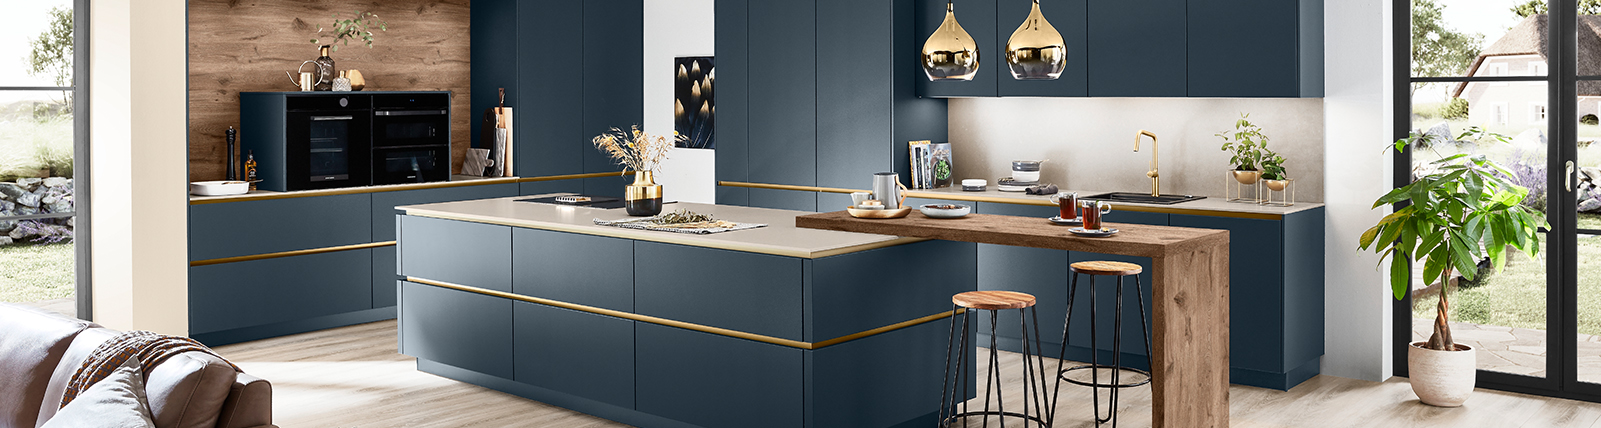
(1567, 180)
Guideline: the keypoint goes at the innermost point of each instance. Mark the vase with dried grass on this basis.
(643, 154)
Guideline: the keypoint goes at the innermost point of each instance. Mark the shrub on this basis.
(1455, 109)
(1589, 119)
(1528, 170)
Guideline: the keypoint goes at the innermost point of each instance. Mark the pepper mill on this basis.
(233, 158)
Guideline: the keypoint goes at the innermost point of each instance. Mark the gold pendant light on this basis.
(1036, 51)
(950, 53)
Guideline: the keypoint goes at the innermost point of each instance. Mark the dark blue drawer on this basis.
(243, 294)
(583, 354)
(584, 269)
(466, 253)
(384, 203)
(748, 292)
(232, 229)
(847, 295)
(384, 275)
(467, 330)
(717, 381)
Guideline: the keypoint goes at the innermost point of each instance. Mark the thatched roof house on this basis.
(1529, 38)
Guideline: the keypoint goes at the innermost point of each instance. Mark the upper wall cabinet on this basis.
(1145, 48)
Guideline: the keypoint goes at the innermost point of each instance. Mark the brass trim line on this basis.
(684, 325)
(202, 200)
(290, 253)
(1014, 201)
(571, 176)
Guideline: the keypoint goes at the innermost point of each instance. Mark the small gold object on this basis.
(356, 81)
(1285, 190)
(950, 53)
(1036, 50)
(1247, 177)
(1156, 179)
(880, 213)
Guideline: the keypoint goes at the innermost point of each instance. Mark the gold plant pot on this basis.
(1247, 177)
(1276, 185)
(644, 196)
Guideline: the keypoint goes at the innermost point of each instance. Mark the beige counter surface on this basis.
(780, 237)
(1211, 206)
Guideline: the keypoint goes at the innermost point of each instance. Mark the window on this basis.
(1496, 69)
(1536, 113)
(1498, 113)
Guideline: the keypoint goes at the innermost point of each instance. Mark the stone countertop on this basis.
(1213, 206)
(779, 237)
(455, 181)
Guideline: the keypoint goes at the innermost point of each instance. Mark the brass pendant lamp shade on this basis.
(950, 53)
(1036, 51)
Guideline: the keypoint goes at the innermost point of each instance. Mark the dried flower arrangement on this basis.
(636, 150)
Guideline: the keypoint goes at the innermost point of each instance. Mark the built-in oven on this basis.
(327, 142)
(395, 165)
(411, 138)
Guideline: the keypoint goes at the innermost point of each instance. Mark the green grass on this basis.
(28, 146)
(31, 272)
(1516, 297)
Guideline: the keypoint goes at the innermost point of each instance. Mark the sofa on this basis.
(40, 351)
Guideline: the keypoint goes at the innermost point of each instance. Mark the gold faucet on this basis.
(1156, 179)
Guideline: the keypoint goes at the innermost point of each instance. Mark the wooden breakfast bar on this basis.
(1190, 290)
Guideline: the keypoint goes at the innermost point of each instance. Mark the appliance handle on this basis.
(409, 113)
(333, 118)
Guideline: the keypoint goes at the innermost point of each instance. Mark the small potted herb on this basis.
(1245, 145)
(1273, 174)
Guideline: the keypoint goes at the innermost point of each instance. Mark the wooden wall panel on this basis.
(246, 46)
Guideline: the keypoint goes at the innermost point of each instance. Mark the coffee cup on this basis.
(858, 197)
(1091, 211)
(1067, 203)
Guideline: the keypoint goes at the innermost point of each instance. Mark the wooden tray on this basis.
(895, 213)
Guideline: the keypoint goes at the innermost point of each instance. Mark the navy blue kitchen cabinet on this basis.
(1137, 48)
(1255, 48)
(584, 269)
(492, 68)
(783, 93)
(480, 260)
(383, 227)
(467, 330)
(717, 381)
(582, 354)
(276, 225)
(236, 302)
(978, 18)
(1071, 19)
(756, 293)
(614, 51)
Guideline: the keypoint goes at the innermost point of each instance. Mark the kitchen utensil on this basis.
(218, 188)
(858, 197)
(888, 188)
(880, 213)
(1093, 233)
(945, 210)
(305, 83)
(233, 154)
(1068, 204)
(1090, 212)
(974, 185)
(1065, 221)
(1026, 176)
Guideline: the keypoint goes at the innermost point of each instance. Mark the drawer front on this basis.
(839, 302)
(459, 252)
(243, 294)
(717, 381)
(384, 275)
(232, 229)
(583, 354)
(384, 203)
(467, 330)
(584, 269)
(753, 293)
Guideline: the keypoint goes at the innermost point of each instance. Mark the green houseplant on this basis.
(1244, 145)
(1273, 173)
(357, 28)
(1460, 209)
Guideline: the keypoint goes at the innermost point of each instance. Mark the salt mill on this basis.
(232, 157)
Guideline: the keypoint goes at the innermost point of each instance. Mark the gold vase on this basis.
(950, 53)
(1036, 50)
(1247, 177)
(644, 196)
(356, 81)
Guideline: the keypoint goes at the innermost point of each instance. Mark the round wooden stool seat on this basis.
(993, 300)
(1106, 268)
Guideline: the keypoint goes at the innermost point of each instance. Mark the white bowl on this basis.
(931, 211)
(219, 188)
(1026, 176)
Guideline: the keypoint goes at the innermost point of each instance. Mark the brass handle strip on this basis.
(202, 200)
(1005, 200)
(290, 253)
(787, 187)
(572, 176)
(684, 325)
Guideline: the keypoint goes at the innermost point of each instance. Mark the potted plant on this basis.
(1245, 145)
(642, 153)
(1460, 210)
(344, 30)
(1273, 174)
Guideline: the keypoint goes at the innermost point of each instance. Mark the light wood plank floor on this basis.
(353, 377)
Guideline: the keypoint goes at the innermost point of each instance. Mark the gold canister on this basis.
(356, 81)
(1036, 50)
(644, 196)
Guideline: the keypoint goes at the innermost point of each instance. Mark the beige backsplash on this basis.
(1090, 141)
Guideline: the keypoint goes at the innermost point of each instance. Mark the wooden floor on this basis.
(353, 377)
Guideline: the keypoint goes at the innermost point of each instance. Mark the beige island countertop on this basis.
(779, 237)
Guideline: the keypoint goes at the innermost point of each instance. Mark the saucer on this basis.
(1103, 232)
(1062, 221)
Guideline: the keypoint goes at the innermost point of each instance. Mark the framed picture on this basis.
(694, 111)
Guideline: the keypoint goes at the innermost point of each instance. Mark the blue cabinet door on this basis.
(384, 203)
(855, 100)
(1037, 271)
(467, 330)
(1070, 17)
(747, 292)
(1137, 48)
(472, 254)
(575, 268)
(716, 381)
(783, 93)
(1256, 293)
(259, 292)
(613, 75)
(492, 68)
(733, 92)
(1251, 48)
(583, 354)
(978, 18)
(232, 229)
(783, 199)
(551, 138)
(385, 263)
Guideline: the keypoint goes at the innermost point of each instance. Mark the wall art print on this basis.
(694, 112)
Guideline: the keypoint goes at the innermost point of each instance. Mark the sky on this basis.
(22, 21)
(1490, 18)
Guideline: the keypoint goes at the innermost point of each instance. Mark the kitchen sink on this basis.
(1144, 198)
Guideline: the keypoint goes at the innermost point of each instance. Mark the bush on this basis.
(1589, 119)
(1455, 109)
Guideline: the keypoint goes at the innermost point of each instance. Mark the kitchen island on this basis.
(774, 326)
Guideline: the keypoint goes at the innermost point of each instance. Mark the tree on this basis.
(1533, 7)
(1438, 51)
(52, 51)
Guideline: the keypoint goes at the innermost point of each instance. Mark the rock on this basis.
(49, 199)
(17, 234)
(59, 206)
(12, 190)
(1439, 133)
(5, 240)
(29, 183)
(6, 207)
(27, 210)
(72, 222)
(30, 200)
(6, 226)
(55, 182)
(1593, 174)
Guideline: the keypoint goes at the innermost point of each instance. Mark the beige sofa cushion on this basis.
(30, 347)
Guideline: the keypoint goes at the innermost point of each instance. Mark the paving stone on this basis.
(1531, 350)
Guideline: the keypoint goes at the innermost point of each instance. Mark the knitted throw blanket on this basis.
(152, 349)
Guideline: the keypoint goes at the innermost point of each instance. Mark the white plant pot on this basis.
(1441, 378)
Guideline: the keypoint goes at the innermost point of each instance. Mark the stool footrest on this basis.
(964, 415)
(1063, 375)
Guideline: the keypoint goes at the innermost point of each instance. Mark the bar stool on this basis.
(1094, 269)
(953, 389)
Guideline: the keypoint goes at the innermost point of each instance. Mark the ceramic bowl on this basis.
(939, 210)
(1026, 176)
(218, 188)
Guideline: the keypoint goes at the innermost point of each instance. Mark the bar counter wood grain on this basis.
(1190, 271)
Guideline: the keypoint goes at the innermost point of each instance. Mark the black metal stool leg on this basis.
(967, 369)
(945, 385)
(1117, 355)
(1095, 356)
(1144, 326)
(995, 368)
(1061, 357)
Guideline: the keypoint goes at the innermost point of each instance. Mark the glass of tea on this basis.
(1068, 203)
(1091, 211)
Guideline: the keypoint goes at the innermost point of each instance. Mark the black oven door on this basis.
(411, 165)
(411, 128)
(328, 149)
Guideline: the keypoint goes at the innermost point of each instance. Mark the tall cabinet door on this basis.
(550, 127)
(854, 108)
(1069, 17)
(613, 79)
(1243, 48)
(733, 90)
(783, 90)
(1137, 48)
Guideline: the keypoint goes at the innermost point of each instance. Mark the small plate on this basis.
(1103, 232)
(1065, 221)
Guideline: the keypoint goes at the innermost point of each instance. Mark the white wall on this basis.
(138, 82)
(675, 28)
(1358, 119)
(1090, 141)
